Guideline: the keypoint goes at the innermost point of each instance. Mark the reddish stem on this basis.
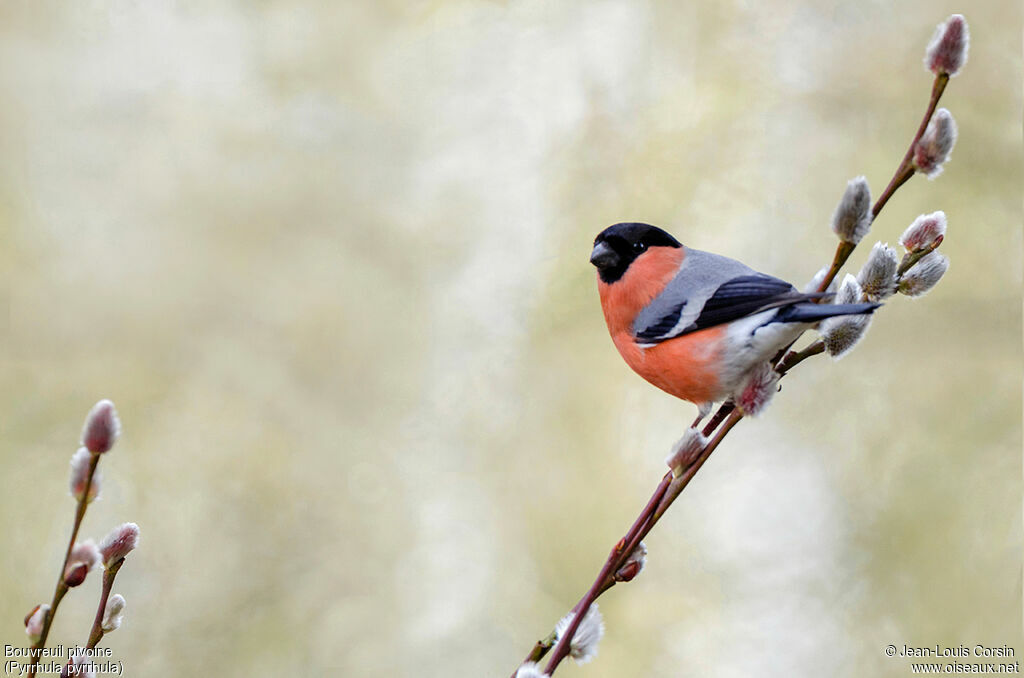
(58, 593)
(902, 175)
(605, 578)
(96, 634)
(898, 178)
(662, 498)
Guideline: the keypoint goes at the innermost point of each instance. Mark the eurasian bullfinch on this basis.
(692, 323)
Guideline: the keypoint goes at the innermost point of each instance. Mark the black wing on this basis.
(743, 296)
(734, 299)
(661, 329)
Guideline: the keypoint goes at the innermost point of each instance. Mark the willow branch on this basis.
(96, 634)
(605, 578)
(62, 588)
(903, 172)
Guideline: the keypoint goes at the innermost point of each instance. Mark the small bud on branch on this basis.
(947, 51)
(113, 614)
(34, 621)
(849, 292)
(841, 333)
(80, 464)
(634, 565)
(686, 450)
(924, 275)
(81, 560)
(933, 148)
(925, 230)
(844, 333)
(119, 543)
(878, 276)
(102, 428)
(852, 219)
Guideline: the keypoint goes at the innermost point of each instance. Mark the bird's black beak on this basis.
(603, 256)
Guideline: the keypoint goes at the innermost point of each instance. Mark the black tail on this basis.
(811, 313)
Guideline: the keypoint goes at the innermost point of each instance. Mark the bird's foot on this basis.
(703, 410)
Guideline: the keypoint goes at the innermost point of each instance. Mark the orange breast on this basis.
(685, 367)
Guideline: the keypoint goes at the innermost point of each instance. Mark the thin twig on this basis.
(539, 650)
(903, 172)
(615, 559)
(680, 483)
(724, 411)
(62, 588)
(667, 491)
(911, 258)
(96, 634)
(898, 178)
(793, 359)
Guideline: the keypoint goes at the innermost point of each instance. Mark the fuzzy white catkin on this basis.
(583, 646)
(933, 148)
(35, 621)
(80, 461)
(849, 292)
(113, 614)
(924, 275)
(852, 219)
(686, 449)
(530, 670)
(844, 333)
(119, 543)
(878, 276)
(924, 231)
(841, 333)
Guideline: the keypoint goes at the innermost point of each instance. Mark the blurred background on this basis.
(330, 262)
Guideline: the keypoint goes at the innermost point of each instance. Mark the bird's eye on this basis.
(639, 247)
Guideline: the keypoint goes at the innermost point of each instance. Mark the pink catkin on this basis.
(83, 557)
(947, 51)
(80, 474)
(933, 148)
(102, 428)
(925, 230)
(119, 543)
(35, 620)
(760, 388)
